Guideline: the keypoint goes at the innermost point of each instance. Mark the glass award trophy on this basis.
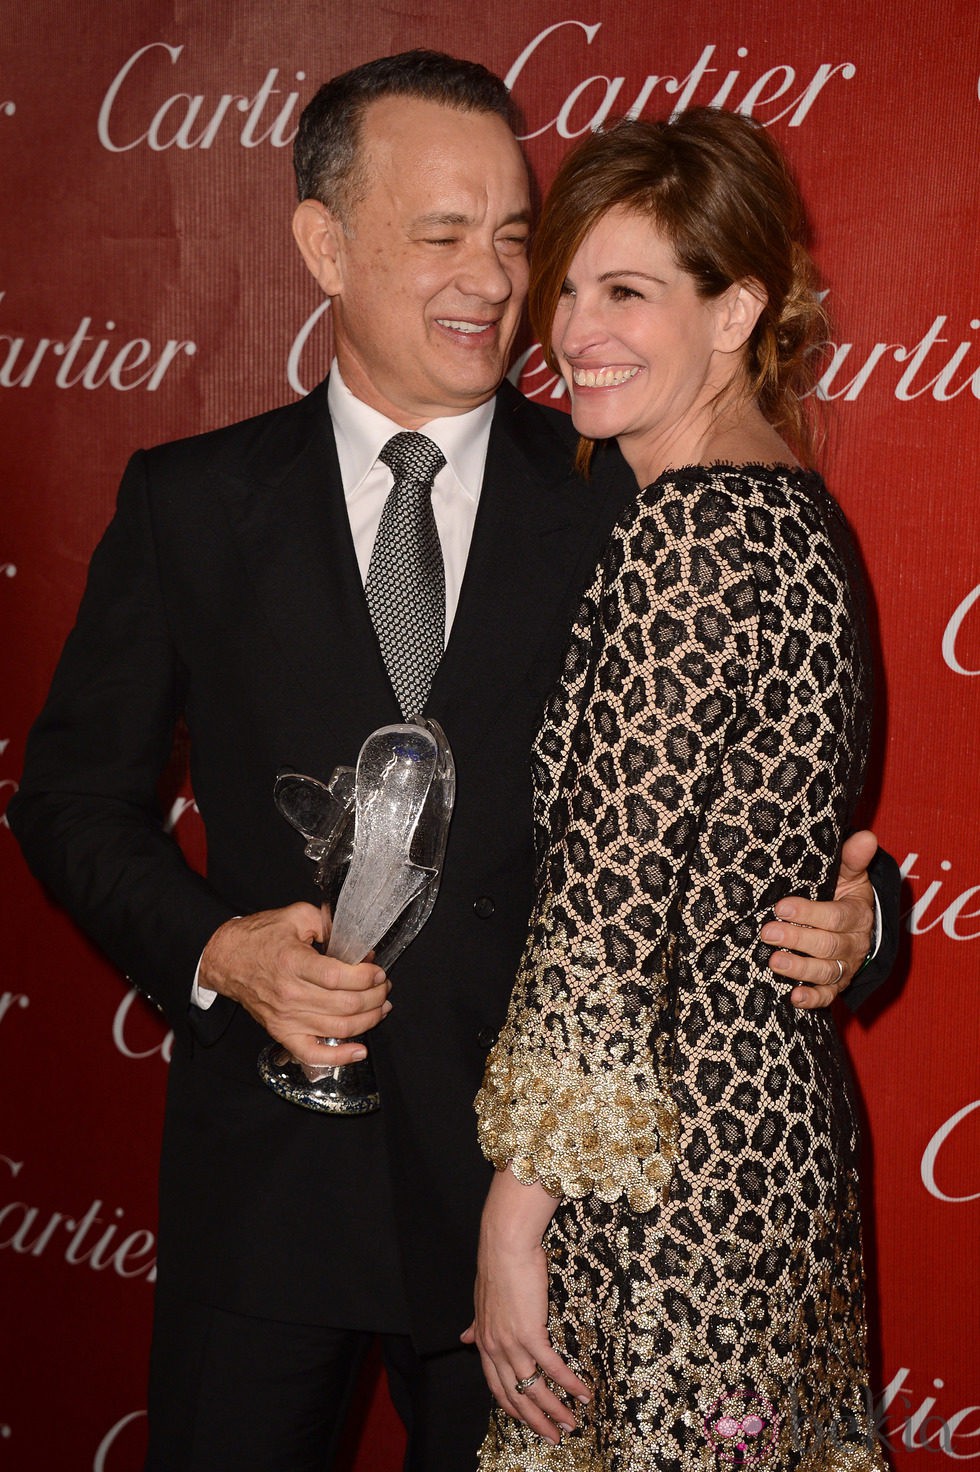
(377, 835)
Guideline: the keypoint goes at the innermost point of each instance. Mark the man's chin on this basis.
(470, 393)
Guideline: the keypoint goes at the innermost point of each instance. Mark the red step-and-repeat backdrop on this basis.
(149, 288)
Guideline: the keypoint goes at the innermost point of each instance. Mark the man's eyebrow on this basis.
(437, 217)
(453, 217)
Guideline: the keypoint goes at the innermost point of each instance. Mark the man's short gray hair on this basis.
(326, 153)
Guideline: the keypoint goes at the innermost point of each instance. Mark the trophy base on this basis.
(351, 1089)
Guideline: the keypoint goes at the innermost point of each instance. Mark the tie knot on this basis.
(413, 456)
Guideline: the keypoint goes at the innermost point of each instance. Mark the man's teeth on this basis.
(463, 326)
(602, 377)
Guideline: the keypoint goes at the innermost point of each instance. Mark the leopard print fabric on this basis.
(698, 761)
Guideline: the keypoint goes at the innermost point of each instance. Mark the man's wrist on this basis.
(202, 996)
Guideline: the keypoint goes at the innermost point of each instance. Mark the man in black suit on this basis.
(229, 590)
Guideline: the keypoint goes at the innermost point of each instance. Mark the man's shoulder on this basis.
(534, 422)
(548, 437)
(265, 442)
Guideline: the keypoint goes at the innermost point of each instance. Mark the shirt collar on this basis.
(362, 432)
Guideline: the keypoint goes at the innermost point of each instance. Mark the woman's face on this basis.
(643, 355)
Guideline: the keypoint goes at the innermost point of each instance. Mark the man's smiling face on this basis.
(430, 274)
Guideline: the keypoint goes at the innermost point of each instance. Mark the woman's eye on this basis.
(624, 293)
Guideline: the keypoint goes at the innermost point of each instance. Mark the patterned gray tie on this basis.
(406, 581)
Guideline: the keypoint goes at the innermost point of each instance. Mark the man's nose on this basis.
(484, 275)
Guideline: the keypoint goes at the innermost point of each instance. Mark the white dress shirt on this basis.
(361, 433)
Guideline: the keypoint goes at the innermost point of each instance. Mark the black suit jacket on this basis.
(226, 591)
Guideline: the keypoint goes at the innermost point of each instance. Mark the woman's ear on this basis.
(738, 311)
(320, 236)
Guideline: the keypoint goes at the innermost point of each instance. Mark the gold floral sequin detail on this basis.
(699, 760)
(596, 1117)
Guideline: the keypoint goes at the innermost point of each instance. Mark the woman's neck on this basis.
(732, 432)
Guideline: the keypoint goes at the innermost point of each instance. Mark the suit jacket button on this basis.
(486, 1037)
(484, 906)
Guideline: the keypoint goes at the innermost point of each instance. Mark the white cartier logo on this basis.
(125, 1030)
(11, 1001)
(90, 1238)
(531, 374)
(594, 98)
(924, 1429)
(88, 359)
(100, 1464)
(6, 782)
(138, 1032)
(914, 382)
(951, 914)
(294, 360)
(952, 633)
(133, 113)
(927, 1168)
(188, 120)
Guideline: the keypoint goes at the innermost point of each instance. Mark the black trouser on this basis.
(254, 1395)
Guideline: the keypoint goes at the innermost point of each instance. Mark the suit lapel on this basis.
(533, 544)
(285, 504)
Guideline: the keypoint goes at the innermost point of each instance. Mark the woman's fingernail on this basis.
(359, 1054)
(385, 1009)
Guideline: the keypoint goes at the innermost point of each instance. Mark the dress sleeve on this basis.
(675, 758)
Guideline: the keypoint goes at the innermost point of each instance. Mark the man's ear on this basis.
(320, 236)
(738, 311)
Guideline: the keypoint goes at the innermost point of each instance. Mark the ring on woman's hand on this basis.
(521, 1385)
(840, 972)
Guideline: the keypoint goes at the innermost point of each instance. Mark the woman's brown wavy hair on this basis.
(721, 192)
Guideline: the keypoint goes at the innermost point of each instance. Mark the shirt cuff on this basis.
(878, 931)
(203, 996)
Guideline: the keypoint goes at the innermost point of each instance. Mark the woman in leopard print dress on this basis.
(683, 1137)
